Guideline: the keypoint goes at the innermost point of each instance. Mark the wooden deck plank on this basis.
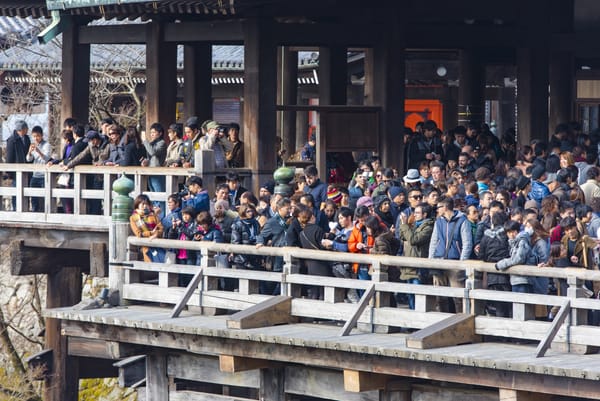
(492, 355)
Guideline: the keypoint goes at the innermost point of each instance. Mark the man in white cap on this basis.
(211, 142)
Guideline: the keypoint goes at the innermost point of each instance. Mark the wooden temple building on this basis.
(241, 345)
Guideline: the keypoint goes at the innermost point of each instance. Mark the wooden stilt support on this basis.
(234, 364)
(357, 381)
(276, 310)
(457, 329)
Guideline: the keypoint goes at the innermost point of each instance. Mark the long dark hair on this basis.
(132, 135)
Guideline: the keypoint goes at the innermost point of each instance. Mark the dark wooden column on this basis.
(561, 88)
(197, 85)
(471, 89)
(75, 81)
(272, 384)
(63, 289)
(562, 69)
(260, 90)
(286, 95)
(161, 76)
(333, 75)
(532, 95)
(533, 72)
(384, 86)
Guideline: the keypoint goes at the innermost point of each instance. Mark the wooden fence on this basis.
(157, 282)
(52, 195)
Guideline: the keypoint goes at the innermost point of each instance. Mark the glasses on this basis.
(417, 196)
(440, 207)
(378, 176)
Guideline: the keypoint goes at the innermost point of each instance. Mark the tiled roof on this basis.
(22, 51)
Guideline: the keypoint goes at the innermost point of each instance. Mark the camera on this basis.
(183, 192)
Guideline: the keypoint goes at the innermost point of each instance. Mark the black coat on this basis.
(310, 238)
(493, 248)
(17, 148)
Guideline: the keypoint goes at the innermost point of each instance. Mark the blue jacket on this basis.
(539, 191)
(461, 243)
(199, 202)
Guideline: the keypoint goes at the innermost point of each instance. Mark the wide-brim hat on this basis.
(412, 176)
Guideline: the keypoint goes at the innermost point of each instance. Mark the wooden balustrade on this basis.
(82, 193)
(160, 286)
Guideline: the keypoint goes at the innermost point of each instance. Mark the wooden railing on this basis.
(81, 195)
(156, 282)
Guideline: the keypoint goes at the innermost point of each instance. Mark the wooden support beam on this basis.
(217, 32)
(197, 279)
(357, 381)
(94, 348)
(197, 87)
(360, 308)
(161, 72)
(273, 311)
(515, 395)
(26, 260)
(98, 259)
(113, 34)
(559, 319)
(132, 370)
(40, 363)
(157, 382)
(205, 368)
(63, 289)
(457, 329)
(75, 80)
(260, 97)
(272, 385)
(234, 364)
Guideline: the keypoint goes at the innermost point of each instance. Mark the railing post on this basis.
(473, 282)
(204, 164)
(378, 274)
(290, 267)
(578, 316)
(118, 233)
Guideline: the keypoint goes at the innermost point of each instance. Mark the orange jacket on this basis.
(356, 236)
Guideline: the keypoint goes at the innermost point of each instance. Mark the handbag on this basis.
(341, 269)
(63, 179)
(222, 260)
(170, 257)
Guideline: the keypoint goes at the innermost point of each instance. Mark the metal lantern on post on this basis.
(122, 202)
(283, 176)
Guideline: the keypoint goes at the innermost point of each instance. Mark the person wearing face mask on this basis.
(145, 224)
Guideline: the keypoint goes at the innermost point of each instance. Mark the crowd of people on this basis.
(465, 195)
(115, 145)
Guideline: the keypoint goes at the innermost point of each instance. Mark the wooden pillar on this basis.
(75, 80)
(333, 75)
(561, 88)
(301, 125)
(532, 94)
(287, 94)
(161, 76)
(384, 86)
(260, 89)
(157, 382)
(197, 85)
(63, 289)
(272, 384)
(471, 90)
